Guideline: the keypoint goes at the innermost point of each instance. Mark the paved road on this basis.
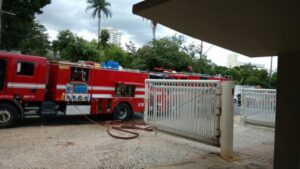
(237, 109)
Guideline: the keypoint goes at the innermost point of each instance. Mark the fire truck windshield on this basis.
(2, 73)
(79, 74)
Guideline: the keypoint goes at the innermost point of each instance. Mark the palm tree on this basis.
(99, 7)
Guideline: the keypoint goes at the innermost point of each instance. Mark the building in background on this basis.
(114, 36)
(232, 61)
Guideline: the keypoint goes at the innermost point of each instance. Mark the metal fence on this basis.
(189, 108)
(259, 106)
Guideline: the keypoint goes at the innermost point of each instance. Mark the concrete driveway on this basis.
(63, 143)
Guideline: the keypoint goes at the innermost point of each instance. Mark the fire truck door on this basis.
(24, 83)
(2, 75)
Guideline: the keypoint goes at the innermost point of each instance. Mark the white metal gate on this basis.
(189, 108)
(259, 106)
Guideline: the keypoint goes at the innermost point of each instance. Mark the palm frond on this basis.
(99, 7)
(95, 13)
(107, 4)
(88, 8)
(107, 13)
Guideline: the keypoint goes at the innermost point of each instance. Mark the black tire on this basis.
(122, 112)
(8, 115)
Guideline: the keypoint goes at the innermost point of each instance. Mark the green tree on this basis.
(218, 70)
(73, 48)
(245, 71)
(194, 51)
(16, 29)
(37, 42)
(202, 65)
(64, 39)
(104, 36)
(80, 50)
(233, 73)
(246, 75)
(99, 7)
(274, 80)
(263, 77)
(55, 49)
(115, 53)
(252, 80)
(131, 51)
(166, 53)
(200, 62)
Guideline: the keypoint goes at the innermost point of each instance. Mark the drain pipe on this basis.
(226, 139)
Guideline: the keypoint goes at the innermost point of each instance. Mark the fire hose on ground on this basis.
(123, 127)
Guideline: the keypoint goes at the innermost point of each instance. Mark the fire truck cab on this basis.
(31, 86)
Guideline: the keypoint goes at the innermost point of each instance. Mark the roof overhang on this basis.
(250, 27)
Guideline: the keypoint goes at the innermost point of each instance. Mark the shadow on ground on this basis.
(69, 120)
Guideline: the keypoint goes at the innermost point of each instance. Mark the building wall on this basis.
(114, 36)
(232, 61)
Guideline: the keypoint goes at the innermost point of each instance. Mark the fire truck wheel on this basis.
(8, 115)
(122, 112)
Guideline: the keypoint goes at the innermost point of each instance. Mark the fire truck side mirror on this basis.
(18, 67)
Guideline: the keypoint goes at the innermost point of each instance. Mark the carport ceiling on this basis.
(250, 27)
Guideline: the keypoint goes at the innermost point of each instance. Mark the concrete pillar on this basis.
(287, 129)
(1, 2)
(226, 139)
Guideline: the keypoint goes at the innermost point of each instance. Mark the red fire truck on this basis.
(160, 73)
(33, 86)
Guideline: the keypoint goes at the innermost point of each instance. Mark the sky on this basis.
(72, 15)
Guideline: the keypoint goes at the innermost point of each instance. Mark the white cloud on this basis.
(52, 34)
(85, 34)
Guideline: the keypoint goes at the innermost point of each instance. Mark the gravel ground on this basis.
(74, 143)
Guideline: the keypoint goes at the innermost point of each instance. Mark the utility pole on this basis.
(201, 49)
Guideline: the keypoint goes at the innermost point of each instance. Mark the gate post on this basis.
(146, 101)
(226, 140)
